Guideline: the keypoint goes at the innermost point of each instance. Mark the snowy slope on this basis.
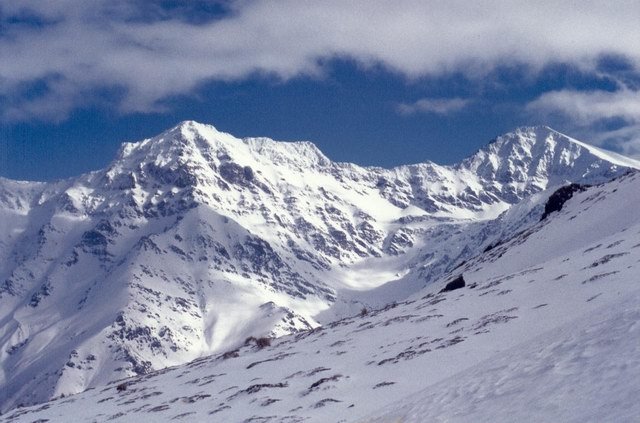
(584, 371)
(194, 240)
(544, 330)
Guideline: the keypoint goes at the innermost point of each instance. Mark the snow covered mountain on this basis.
(193, 241)
(542, 327)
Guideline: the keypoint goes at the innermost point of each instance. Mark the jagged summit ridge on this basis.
(193, 140)
(513, 166)
(535, 144)
(527, 141)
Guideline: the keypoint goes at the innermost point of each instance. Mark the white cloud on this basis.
(587, 113)
(625, 139)
(92, 43)
(586, 107)
(439, 106)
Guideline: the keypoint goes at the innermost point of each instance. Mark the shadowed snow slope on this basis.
(193, 241)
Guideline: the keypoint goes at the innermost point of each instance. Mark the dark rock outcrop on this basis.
(561, 196)
(457, 283)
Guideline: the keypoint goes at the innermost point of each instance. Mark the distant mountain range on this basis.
(193, 242)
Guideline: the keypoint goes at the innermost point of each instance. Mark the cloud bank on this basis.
(590, 112)
(439, 106)
(585, 107)
(60, 55)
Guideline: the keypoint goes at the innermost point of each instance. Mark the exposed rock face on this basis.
(457, 283)
(193, 241)
(559, 197)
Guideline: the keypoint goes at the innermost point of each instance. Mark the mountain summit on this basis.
(194, 241)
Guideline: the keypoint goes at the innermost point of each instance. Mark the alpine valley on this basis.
(253, 280)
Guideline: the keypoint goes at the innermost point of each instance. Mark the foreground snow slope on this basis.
(544, 330)
(585, 371)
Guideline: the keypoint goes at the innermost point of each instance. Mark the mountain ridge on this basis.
(201, 240)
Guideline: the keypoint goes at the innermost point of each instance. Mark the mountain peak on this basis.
(533, 158)
(532, 134)
(540, 139)
(190, 129)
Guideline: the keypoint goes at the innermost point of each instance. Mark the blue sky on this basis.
(372, 82)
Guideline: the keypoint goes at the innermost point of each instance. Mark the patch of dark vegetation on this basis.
(259, 387)
(316, 385)
(158, 408)
(317, 370)
(540, 306)
(151, 394)
(398, 319)
(341, 322)
(529, 271)
(228, 389)
(407, 354)
(208, 379)
(269, 401)
(588, 250)
(129, 401)
(122, 387)
(490, 285)
(364, 326)
(561, 196)
(593, 298)
(230, 354)
(324, 402)
(600, 276)
(194, 398)
(275, 358)
(455, 322)
(615, 244)
(260, 343)
(450, 342)
(605, 259)
(219, 409)
(457, 283)
(383, 384)
(428, 317)
(183, 415)
(259, 419)
(501, 316)
(430, 303)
